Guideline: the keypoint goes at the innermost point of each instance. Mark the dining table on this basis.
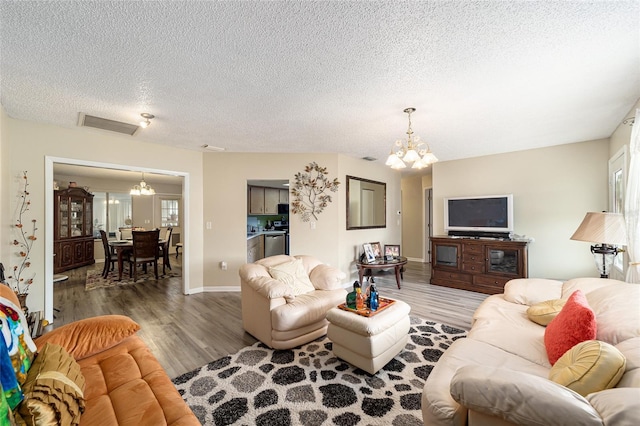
(123, 247)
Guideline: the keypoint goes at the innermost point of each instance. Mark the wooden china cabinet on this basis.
(73, 229)
(483, 265)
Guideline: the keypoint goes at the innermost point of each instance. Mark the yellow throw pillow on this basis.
(588, 367)
(293, 274)
(542, 313)
(54, 389)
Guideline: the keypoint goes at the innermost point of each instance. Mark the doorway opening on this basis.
(428, 228)
(267, 218)
(111, 169)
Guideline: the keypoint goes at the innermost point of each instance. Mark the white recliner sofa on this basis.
(499, 374)
(275, 315)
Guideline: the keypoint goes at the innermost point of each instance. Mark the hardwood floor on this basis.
(186, 332)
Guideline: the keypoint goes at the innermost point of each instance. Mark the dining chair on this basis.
(110, 257)
(145, 252)
(164, 250)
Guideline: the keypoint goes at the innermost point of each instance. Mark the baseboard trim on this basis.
(217, 289)
(233, 289)
(415, 259)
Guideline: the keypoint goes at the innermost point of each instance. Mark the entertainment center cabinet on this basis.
(480, 264)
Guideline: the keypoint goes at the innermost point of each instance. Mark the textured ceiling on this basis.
(485, 77)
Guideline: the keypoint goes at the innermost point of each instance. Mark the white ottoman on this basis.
(369, 343)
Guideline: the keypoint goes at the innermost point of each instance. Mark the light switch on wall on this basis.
(312, 225)
(208, 224)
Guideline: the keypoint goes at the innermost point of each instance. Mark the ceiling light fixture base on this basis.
(147, 119)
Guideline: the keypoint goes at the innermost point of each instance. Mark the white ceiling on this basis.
(485, 77)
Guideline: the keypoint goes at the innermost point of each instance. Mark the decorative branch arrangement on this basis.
(24, 243)
(309, 189)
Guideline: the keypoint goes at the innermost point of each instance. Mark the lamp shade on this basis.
(606, 228)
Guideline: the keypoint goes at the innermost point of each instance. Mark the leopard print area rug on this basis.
(308, 385)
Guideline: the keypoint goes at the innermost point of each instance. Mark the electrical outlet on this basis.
(208, 225)
(223, 265)
(312, 225)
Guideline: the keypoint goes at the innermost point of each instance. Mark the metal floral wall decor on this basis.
(18, 279)
(309, 191)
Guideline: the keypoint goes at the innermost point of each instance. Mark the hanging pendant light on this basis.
(412, 152)
(142, 189)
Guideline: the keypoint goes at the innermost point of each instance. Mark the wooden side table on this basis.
(396, 264)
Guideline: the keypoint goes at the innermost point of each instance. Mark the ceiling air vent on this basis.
(85, 120)
(369, 158)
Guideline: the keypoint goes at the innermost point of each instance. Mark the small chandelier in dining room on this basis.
(414, 151)
(142, 189)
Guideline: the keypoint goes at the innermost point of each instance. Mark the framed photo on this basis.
(368, 251)
(377, 250)
(392, 250)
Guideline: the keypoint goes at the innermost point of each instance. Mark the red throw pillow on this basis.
(575, 323)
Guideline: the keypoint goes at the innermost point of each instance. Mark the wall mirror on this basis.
(366, 203)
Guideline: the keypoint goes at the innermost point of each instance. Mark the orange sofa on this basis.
(124, 383)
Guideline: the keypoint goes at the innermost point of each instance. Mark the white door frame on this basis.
(428, 227)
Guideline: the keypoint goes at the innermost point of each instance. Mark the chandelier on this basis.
(414, 152)
(142, 189)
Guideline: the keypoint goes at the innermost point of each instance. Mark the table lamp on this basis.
(609, 229)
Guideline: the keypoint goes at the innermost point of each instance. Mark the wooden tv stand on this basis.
(477, 264)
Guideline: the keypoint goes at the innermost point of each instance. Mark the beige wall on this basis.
(225, 183)
(350, 242)
(146, 209)
(27, 144)
(5, 178)
(412, 218)
(622, 135)
(553, 188)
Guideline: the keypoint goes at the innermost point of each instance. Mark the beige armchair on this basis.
(272, 311)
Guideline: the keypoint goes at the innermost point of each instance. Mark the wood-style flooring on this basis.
(186, 332)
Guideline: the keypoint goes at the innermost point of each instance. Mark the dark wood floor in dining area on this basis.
(186, 332)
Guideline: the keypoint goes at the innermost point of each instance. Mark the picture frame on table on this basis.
(368, 252)
(377, 249)
(392, 250)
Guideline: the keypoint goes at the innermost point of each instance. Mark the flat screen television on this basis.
(490, 215)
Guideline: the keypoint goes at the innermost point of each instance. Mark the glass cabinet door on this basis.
(503, 261)
(446, 255)
(77, 218)
(88, 217)
(63, 218)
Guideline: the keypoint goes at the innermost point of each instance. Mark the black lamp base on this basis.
(608, 253)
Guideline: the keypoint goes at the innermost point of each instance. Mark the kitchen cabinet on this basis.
(265, 200)
(256, 200)
(284, 196)
(73, 229)
(271, 200)
(255, 248)
(478, 265)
